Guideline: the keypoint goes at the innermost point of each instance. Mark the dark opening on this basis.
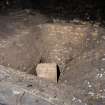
(58, 73)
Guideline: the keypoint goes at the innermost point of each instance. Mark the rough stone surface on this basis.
(27, 89)
(66, 41)
(20, 46)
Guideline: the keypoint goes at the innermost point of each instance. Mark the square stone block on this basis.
(47, 71)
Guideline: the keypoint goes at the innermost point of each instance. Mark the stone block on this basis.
(47, 71)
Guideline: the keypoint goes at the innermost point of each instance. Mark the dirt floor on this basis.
(28, 38)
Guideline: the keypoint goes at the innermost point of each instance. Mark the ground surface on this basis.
(78, 47)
